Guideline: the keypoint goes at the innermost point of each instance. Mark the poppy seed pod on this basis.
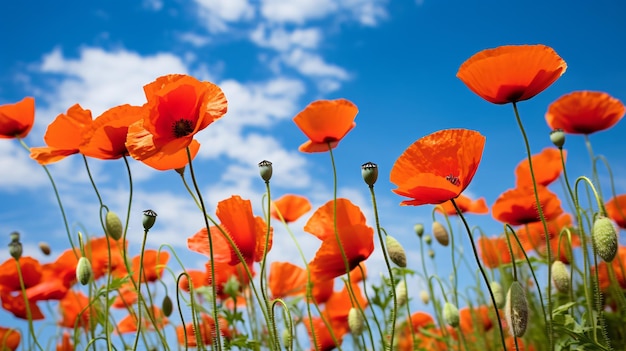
(557, 137)
(45, 248)
(369, 171)
(396, 251)
(265, 168)
(355, 321)
(149, 217)
(83, 271)
(498, 294)
(15, 249)
(402, 295)
(113, 224)
(516, 309)
(441, 233)
(167, 306)
(451, 315)
(560, 276)
(604, 238)
(419, 229)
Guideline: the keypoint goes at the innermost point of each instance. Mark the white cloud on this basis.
(297, 11)
(154, 5)
(194, 39)
(281, 39)
(18, 170)
(218, 13)
(313, 65)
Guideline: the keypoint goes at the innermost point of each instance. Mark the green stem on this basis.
(31, 329)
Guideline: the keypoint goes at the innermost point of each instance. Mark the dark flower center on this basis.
(182, 127)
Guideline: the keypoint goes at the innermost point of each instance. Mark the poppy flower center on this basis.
(182, 127)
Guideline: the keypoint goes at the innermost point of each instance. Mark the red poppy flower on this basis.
(429, 340)
(465, 204)
(511, 73)
(547, 167)
(63, 136)
(198, 278)
(532, 235)
(14, 303)
(225, 272)
(154, 263)
(286, 279)
(179, 159)
(66, 343)
(105, 139)
(9, 278)
(9, 339)
(518, 206)
(324, 122)
(16, 120)
(323, 290)
(616, 210)
(323, 337)
(97, 251)
(619, 267)
(206, 331)
(179, 106)
(246, 231)
(355, 236)
(339, 304)
(291, 207)
(494, 251)
(475, 320)
(128, 324)
(438, 167)
(74, 310)
(584, 112)
(126, 298)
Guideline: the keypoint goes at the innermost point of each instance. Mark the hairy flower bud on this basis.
(560, 276)
(265, 169)
(604, 238)
(355, 321)
(396, 251)
(516, 309)
(498, 293)
(113, 224)
(419, 229)
(424, 297)
(402, 295)
(441, 233)
(557, 137)
(83, 271)
(287, 338)
(167, 306)
(428, 239)
(451, 315)
(369, 172)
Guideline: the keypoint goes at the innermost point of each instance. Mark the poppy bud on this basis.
(167, 306)
(419, 229)
(396, 251)
(560, 276)
(401, 293)
(369, 171)
(83, 271)
(441, 233)
(232, 286)
(15, 249)
(604, 238)
(15, 236)
(557, 137)
(45, 248)
(149, 217)
(424, 297)
(431, 253)
(451, 315)
(113, 224)
(516, 309)
(498, 293)
(428, 239)
(265, 168)
(287, 338)
(355, 321)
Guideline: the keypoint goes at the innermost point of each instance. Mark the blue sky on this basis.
(396, 60)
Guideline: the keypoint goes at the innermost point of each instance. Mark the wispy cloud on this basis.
(217, 14)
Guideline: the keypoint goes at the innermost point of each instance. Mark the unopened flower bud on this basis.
(369, 172)
(15, 249)
(419, 229)
(287, 338)
(355, 321)
(113, 224)
(498, 294)
(431, 253)
(167, 306)
(441, 233)
(45, 248)
(451, 315)
(604, 238)
(516, 309)
(265, 168)
(396, 251)
(557, 137)
(428, 239)
(424, 297)
(83, 271)
(232, 286)
(149, 217)
(402, 295)
(560, 276)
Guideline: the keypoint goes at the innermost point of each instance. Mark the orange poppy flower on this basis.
(66, 342)
(225, 272)
(9, 339)
(105, 139)
(339, 304)
(165, 162)
(547, 167)
(178, 106)
(465, 204)
(494, 251)
(63, 136)
(291, 207)
(584, 112)
(286, 279)
(424, 341)
(198, 278)
(355, 236)
(128, 324)
(518, 206)
(616, 210)
(97, 252)
(206, 331)
(154, 263)
(560, 253)
(511, 73)
(246, 231)
(619, 267)
(438, 167)
(532, 236)
(324, 122)
(475, 320)
(16, 120)
(14, 303)
(323, 337)
(31, 273)
(127, 296)
(74, 310)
